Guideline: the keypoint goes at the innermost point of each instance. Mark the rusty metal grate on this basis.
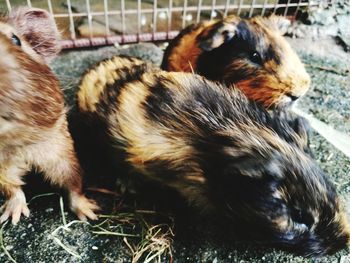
(86, 23)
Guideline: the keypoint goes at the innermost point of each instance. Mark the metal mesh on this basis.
(86, 23)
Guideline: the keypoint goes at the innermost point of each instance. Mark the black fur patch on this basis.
(111, 93)
(271, 54)
(160, 101)
(237, 51)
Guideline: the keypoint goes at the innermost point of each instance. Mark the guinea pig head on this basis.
(34, 30)
(28, 38)
(253, 55)
(278, 195)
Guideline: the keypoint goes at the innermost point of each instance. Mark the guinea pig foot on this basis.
(83, 207)
(14, 207)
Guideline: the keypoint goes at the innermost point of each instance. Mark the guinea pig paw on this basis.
(14, 208)
(84, 208)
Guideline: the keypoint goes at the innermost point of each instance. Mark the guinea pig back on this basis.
(224, 154)
(249, 53)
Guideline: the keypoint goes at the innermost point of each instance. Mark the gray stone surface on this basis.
(323, 22)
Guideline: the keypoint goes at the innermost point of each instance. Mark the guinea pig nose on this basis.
(292, 97)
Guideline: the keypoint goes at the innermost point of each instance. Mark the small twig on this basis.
(121, 216)
(62, 211)
(103, 191)
(128, 245)
(189, 62)
(154, 243)
(149, 259)
(333, 70)
(59, 242)
(39, 196)
(106, 232)
(2, 244)
(66, 228)
(146, 212)
(102, 223)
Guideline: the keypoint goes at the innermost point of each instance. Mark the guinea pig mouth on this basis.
(291, 97)
(287, 100)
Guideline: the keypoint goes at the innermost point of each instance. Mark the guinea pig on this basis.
(252, 54)
(223, 153)
(33, 125)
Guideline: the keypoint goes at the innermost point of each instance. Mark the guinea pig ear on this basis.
(278, 23)
(217, 34)
(38, 28)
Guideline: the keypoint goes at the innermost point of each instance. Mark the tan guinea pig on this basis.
(249, 53)
(33, 125)
(224, 155)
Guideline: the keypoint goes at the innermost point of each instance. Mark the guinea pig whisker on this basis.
(192, 70)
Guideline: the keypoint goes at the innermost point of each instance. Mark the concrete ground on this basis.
(42, 237)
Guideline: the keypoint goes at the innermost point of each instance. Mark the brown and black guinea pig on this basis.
(33, 125)
(224, 154)
(252, 54)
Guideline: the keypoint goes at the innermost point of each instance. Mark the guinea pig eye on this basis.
(15, 40)
(302, 217)
(256, 58)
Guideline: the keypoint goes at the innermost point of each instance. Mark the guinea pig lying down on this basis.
(224, 154)
(251, 53)
(33, 125)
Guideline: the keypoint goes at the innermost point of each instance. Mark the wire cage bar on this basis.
(88, 23)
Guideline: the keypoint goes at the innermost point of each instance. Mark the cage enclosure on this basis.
(86, 23)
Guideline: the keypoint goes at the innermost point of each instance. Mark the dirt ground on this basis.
(42, 237)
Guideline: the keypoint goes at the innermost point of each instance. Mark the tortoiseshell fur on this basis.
(33, 125)
(224, 154)
(252, 54)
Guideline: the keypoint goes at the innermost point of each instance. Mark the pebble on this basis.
(323, 17)
(324, 22)
(9, 247)
(344, 259)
